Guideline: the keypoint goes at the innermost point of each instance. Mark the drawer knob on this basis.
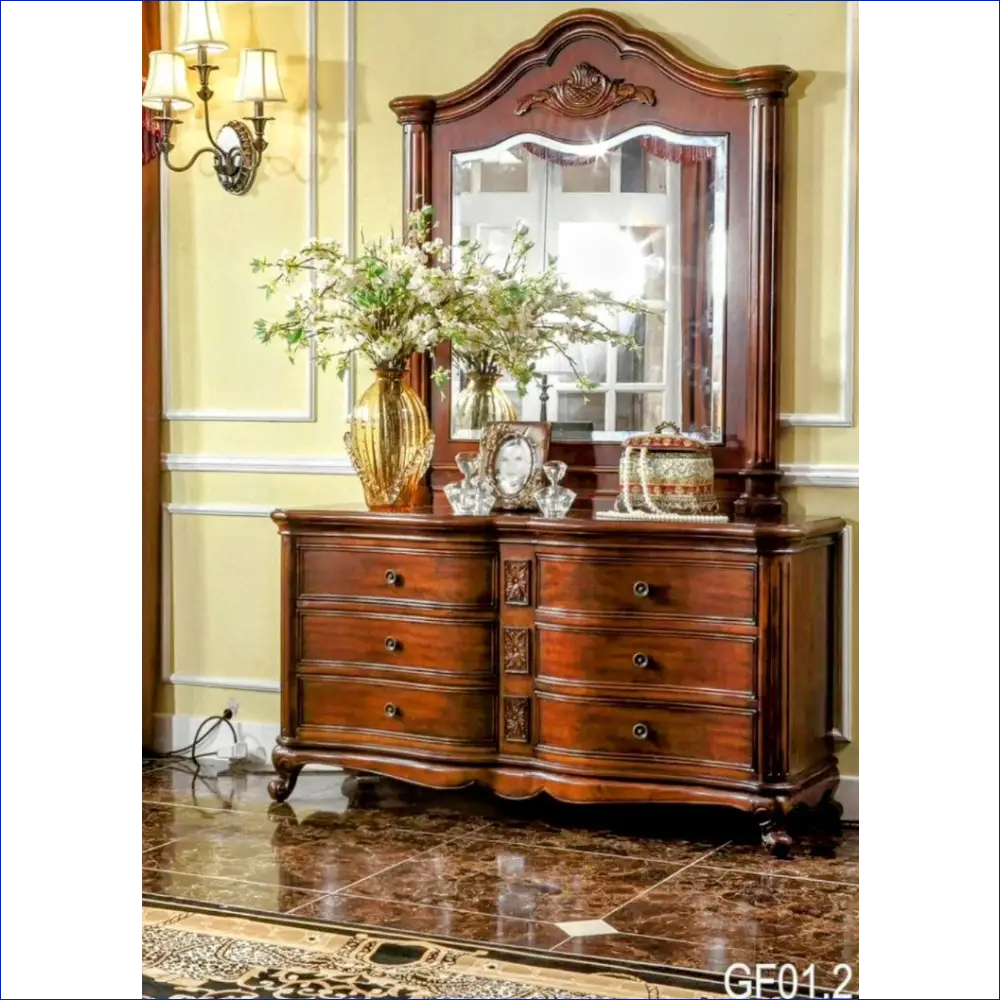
(391, 577)
(640, 588)
(391, 644)
(640, 731)
(390, 710)
(641, 660)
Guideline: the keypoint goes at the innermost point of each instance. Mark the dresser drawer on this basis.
(372, 573)
(645, 731)
(387, 640)
(643, 586)
(643, 658)
(357, 711)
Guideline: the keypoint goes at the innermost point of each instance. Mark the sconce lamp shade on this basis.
(166, 81)
(259, 76)
(201, 26)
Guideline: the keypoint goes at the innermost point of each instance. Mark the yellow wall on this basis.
(223, 582)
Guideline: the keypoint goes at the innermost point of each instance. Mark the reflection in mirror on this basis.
(641, 215)
(513, 466)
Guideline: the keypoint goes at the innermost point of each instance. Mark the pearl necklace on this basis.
(638, 515)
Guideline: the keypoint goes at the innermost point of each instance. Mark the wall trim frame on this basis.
(308, 414)
(844, 417)
(845, 476)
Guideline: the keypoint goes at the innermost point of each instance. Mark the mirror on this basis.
(639, 215)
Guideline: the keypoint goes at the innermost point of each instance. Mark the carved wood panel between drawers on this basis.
(517, 720)
(517, 651)
(517, 582)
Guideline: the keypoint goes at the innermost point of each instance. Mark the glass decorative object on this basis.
(473, 496)
(390, 442)
(554, 500)
(482, 402)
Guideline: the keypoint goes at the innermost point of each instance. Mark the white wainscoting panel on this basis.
(308, 413)
(844, 417)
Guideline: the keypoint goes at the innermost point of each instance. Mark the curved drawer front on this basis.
(362, 712)
(643, 658)
(659, 587)
(373, 573)
(645, 731)
(391, 641)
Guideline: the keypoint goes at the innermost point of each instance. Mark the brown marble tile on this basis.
(713, 955)
(164, 823)
(598, 840)
(515, 880)
(216, 786)
(812, 857)
(226, 892)
(311, 855)
(487, 928)
(772, 918)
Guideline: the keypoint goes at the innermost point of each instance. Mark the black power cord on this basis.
(191, 750)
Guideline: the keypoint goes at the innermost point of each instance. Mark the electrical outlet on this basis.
(234, 706)
(236, 751)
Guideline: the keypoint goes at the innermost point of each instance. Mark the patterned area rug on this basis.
(189, 954)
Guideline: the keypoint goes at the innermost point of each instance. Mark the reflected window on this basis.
(640, 216)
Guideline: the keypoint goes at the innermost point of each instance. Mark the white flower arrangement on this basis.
(507, 319)
(395, 299)
(385, 303)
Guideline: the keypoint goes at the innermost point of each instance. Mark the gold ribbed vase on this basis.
(390, 442)
(482, 402)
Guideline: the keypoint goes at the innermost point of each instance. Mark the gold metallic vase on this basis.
(482, 402)
(390, 442)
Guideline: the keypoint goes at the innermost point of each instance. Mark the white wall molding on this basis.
(350, 156)
(220, 509)
(845, 476)
(336, 465)
(307, 414)
(229, 683)
(844, 417)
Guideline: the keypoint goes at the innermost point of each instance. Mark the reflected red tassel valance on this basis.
(661, 149)
(152, 138)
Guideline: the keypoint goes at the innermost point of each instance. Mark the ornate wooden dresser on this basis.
(595, 660)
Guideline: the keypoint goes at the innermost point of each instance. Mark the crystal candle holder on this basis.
(554, 501)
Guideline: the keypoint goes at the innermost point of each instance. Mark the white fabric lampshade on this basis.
(259, 76)
(166, 81)
(201, 25)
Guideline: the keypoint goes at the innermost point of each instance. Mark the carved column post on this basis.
(760, 498)
(416, 114)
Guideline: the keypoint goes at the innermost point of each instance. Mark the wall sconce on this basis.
(236, 150)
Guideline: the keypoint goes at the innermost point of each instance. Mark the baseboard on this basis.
(170, 732)
(173, 731)
(847, 796)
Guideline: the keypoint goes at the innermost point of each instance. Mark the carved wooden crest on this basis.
(585, 93)
(515, 720)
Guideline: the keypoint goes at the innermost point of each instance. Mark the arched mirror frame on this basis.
(687, 96)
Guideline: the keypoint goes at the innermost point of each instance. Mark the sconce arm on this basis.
(190, 163)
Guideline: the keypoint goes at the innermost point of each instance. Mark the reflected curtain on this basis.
(696, 219)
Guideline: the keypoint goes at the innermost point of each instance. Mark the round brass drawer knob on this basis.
(391, 644)
(390, 710)
(391, 577)
(640, 588)
(641, 660)
(640, 731)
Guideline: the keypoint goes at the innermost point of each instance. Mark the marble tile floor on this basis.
(678, 888)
